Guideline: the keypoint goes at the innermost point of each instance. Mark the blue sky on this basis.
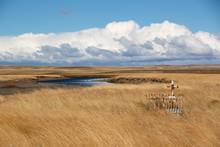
(109, 32)
(43, 16)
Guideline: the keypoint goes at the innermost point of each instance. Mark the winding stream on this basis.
(77, 81)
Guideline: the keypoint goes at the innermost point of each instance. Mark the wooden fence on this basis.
(173, 104)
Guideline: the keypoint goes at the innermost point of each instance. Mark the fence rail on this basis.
(173, 104)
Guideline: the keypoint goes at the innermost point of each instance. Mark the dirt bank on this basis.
(130, 80)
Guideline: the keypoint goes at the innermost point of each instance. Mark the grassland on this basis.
(110, 115)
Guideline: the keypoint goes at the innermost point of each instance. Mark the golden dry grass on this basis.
(113, 115)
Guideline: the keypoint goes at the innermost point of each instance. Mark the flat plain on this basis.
(108, 115)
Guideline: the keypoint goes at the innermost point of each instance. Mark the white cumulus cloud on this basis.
(118, 43)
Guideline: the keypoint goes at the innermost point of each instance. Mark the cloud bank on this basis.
(118, 43)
